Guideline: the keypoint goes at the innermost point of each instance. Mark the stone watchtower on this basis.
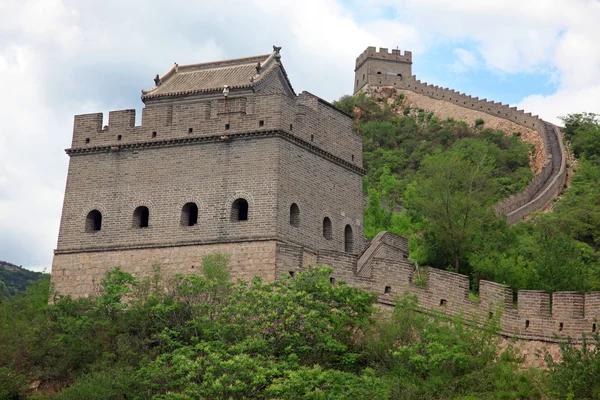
(227, 159)
(380, 68)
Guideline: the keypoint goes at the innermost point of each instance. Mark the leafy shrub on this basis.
(107, 384)
(575, 376)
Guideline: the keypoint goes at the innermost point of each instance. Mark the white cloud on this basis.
(64, 57)
(465, 61)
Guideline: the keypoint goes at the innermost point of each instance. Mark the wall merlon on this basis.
(568, 305)
(86, 126)
(121, 119)
(533, 303)
(592, 306)
(495, 293)
(383, 54)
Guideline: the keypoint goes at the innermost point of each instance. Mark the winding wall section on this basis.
(545, 186)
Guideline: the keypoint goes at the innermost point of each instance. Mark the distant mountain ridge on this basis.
(15, 279)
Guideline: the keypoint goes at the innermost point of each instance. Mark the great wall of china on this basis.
(531, 315)
(225, 140)
(542, 189)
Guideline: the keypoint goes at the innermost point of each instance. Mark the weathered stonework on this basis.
(228, 159)
(214, 137)
(79, 274)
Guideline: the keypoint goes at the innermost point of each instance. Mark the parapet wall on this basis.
(536, 315)
(545, 185)
(305, 116)
(382, 269)
(383, 54)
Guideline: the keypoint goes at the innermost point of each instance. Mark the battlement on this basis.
(551, 178)
(299, 116)
(382, 268)
(535, 314)
(383, 54)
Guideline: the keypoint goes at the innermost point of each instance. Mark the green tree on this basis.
(453, 192)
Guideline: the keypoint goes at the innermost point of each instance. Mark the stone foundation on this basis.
(78, 274)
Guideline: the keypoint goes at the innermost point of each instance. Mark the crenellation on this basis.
(568, 305)
(296, 164)
(492, 293)
(592, 306)
(86, 128)
(534, 303)
(121, 119)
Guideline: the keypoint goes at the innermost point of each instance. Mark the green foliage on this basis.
(575, 375)
(404, 152)
(197, 336)
(12, 384)
(14, 279)
(558, 252)
(583, 130)
(346, 104)
(435, 182)
(437, 357)
(214, 268)
(106, 384)
(453, 191)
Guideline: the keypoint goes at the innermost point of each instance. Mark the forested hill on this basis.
(435, 181)
(14, 279)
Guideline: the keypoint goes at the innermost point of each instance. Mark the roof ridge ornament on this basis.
(276, 50)
(258, 67)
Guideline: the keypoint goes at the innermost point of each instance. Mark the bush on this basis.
(12, 384)
(575, 376)
(107, 384)
(478, 122)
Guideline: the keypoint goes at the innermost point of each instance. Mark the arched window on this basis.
(399, 76)
(141, 217)
(189, 214)
(348, 239)
(239, 210)
(378, 72)
(294, 215)
(327, 229)
(93, 221)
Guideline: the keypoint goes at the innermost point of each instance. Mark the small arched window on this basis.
(399, 76)
(327, 229)
(141, 217)
(93, 221)
(378, 72)
(189, 214)
(294, 215)
(348, 239)
(239, 210)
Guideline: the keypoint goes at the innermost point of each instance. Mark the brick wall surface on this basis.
(273, 149)
(78, 274)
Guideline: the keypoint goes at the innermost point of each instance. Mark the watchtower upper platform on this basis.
(373, 66)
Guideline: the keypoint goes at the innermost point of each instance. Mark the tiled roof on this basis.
(213, 76)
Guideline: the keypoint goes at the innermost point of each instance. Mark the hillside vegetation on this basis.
(436, 182)
(15, 279)
(203, 337)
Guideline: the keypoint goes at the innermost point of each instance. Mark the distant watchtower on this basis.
(381, 68)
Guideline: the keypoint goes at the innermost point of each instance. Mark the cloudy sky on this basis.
(64, 57)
